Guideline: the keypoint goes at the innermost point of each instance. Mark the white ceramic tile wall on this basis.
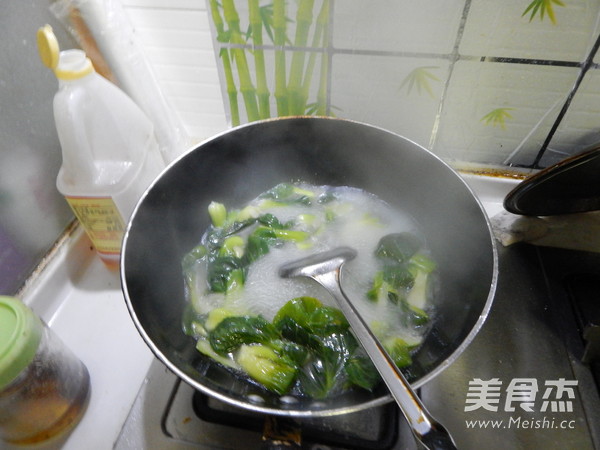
(473, 57)
(477, 88)
(496, 28)
(408, 112)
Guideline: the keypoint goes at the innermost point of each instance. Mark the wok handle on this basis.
(425, 428)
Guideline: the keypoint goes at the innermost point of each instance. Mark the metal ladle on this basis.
(325, 268)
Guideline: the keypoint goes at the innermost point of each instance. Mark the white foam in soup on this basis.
(361, 220)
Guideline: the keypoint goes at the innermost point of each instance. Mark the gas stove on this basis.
(530, 348)
(528, 380)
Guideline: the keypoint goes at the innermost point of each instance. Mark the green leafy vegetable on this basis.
(308, 346)
(223, 270)
(361, 372)
(286, 193)
(326, 374)
(308, 312)
(270, 220)
(322, 377)
(410, 315)
(232, 332)
(270, 369)
(399, 351)
(325, 320)
(218, 213)
(420, 262)
(300, 309)
(291, 330)
(256, 247)
(398, 247)
(216, 316)
(193, 255)
(232, 246)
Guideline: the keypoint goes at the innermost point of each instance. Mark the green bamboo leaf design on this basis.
(266, 14)
(421, 78)
(266, 17)
(542, 7)
(224, 36)
(497, 117)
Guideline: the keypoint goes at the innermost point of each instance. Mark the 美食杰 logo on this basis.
(548, 403)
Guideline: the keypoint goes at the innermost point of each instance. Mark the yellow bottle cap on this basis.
(67, 65)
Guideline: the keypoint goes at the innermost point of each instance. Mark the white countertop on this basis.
(83, 303)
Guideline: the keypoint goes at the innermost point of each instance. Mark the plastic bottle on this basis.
(44, 387)
(109, 151)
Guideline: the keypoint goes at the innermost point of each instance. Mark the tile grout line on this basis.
(588, 63)
(454, 58)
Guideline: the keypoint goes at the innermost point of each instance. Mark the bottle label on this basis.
(101, 220)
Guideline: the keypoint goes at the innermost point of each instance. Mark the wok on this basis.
(237, 165)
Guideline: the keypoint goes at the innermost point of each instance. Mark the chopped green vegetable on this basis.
(194, 255)
(218, 213)
(399, 351)
(422, 263)
(410, 315)
(279, 192)
(381, 290)
(325, 375)
(288, 194)
(256, 247)
(308, 312)
(307, 219)
(297, 353)
(232, 246)
(191, 321)
(249, 213)
(232, 332)
(221, 269)
(398, 276)
(299, 309)
(325, 320)
(398, 246)
(291, 235)
(322, 377)
(294, 332)
(417, 297)
(361, 372)
(216, 316)
(204, 347)
(307, 346)
(264, 365)
(272, 221)
(235, 281)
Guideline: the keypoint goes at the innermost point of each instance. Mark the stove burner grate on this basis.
(375, 428)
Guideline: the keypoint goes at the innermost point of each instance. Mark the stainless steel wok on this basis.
(237, 165)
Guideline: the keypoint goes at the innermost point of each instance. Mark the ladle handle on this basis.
(426, 429)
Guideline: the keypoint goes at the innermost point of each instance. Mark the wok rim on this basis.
(256, 407)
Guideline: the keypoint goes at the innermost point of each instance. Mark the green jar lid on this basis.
(20, 335)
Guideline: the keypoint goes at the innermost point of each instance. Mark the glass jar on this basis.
(44, 387)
